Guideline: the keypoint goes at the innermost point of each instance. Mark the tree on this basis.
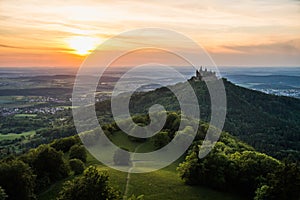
(161, 139)
(262, 193)
(283, 184)
(122, 157)
(79, 152)
(213, 170)
(48, 164)
(64, 144)
(184, 138)
(77, 166)
(170, 121)
(286, 182)
(188, 169)
(3, 195)
(92, 185)
(17, 179)
(229, 167)
(253, 169)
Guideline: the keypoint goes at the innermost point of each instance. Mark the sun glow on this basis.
(83, 45)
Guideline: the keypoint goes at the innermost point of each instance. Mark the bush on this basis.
(79, 152)
(247, 172)
(161, 139)
(77, 166)
(3, 195)
(64, 144)
(262, 193)
(92, 185)
(48, 164)
(17, 179)
(283, 184)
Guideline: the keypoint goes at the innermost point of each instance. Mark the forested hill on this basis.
(269, 123)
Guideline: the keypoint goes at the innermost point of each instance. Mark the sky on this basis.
(59, 33)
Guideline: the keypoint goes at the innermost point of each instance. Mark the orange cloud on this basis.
(38, 34)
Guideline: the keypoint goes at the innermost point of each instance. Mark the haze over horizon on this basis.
(62, 34)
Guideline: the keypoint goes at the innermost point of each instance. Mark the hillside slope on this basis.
(269, 123)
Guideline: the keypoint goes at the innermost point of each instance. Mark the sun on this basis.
(83, 45)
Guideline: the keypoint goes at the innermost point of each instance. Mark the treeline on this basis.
(11, 124)
(169, 130)
(232, 166)
(53, 92)
(27, 175)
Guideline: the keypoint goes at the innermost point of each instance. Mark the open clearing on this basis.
(12, 136)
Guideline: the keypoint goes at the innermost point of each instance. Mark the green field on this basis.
(162, 184)
(12, 136)
(166, 184)
(67, 107)
(25, 115)
(17, 101)
(8, 99)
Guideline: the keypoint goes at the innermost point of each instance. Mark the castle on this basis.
(204, 75)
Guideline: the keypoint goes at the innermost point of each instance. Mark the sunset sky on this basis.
(235, 33)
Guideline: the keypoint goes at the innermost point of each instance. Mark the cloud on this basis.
(288, 47)
(237, 27)
(9, 46)
(37, 48)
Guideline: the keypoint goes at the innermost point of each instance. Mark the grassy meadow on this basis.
(161, 184)
(13, 136)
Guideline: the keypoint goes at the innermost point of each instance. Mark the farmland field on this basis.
(25, 115)
(12, 136)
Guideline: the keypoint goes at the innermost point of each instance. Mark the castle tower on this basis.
(198, 75)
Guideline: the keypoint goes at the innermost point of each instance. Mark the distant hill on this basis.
(284, 79)
(284, 85)
(269, 123)
(53, 92)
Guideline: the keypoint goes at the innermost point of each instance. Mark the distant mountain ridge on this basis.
(286, 79)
